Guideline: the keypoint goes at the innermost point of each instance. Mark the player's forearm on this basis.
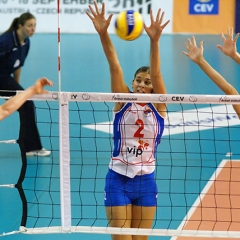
(217, 78)
(236, 57)
(154, 58)
(109, 50)
(15, 103)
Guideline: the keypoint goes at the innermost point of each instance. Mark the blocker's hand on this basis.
(100, 23)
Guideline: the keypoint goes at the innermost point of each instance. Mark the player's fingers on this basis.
(229, 32)
(220, 47)
(50, 83)
(46, 81)
(162, 16)
(159, 17)
(223, 37)
(92, 11)
(236, 38)
(165, 24)
(189, 42)
(151, 16)
(96, 7)
(194, 41)
(186, 45)
(109, 18)
(103, 8)
(89, 15)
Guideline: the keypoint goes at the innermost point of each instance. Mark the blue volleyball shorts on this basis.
(121, 190)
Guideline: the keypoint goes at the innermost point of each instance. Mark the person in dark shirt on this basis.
(14, 48)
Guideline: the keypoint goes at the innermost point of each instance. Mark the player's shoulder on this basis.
(6, 41)
(5, 37)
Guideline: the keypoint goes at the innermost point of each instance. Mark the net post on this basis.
(64, 163)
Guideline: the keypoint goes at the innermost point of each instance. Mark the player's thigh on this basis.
(119, 216)
(142, 217)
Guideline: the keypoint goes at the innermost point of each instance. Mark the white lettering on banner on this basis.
(203, 8)
(85, 2)
(188, 121)
(46, 10)
(42, 1)
(13, 11)
(75, 10)
(73, 13)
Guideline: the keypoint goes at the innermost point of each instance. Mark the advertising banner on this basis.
(203, 16)
(73, 18)
(237, 18)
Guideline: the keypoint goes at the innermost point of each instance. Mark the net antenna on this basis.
(65, 195)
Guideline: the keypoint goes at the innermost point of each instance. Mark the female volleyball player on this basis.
(130, 189)
(16, 102)
(229, 47)
(196, 55)
(14, 47)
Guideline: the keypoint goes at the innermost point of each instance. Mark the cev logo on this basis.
(207, 7)
(177, 98)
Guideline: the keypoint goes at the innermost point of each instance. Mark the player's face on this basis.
(29, 27)
(142, 83)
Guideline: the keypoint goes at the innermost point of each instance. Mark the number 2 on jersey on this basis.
(138, 133)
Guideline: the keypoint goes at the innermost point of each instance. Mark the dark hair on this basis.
(20, 20)
(145, 69)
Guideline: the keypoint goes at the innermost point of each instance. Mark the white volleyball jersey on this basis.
(137, 131)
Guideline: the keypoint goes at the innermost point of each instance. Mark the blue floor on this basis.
(84, 69)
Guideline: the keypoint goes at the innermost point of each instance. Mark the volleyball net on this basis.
(197, 167)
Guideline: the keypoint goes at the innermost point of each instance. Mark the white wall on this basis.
(73, 18)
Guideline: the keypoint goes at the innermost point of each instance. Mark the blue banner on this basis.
(203, 7)
(237, 18)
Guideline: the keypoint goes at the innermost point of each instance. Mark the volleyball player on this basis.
(195, 53)
(14, 47)
(130, 189)
(16, 102)
(229, 47)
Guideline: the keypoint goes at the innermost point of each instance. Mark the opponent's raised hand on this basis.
(39, 85)
(194, 52)
(229, 47)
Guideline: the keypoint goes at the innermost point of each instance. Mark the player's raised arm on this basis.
(154, 32)
(195, 53)
(101, 25)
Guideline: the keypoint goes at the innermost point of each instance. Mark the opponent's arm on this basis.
(16, 102)
(196, 55)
